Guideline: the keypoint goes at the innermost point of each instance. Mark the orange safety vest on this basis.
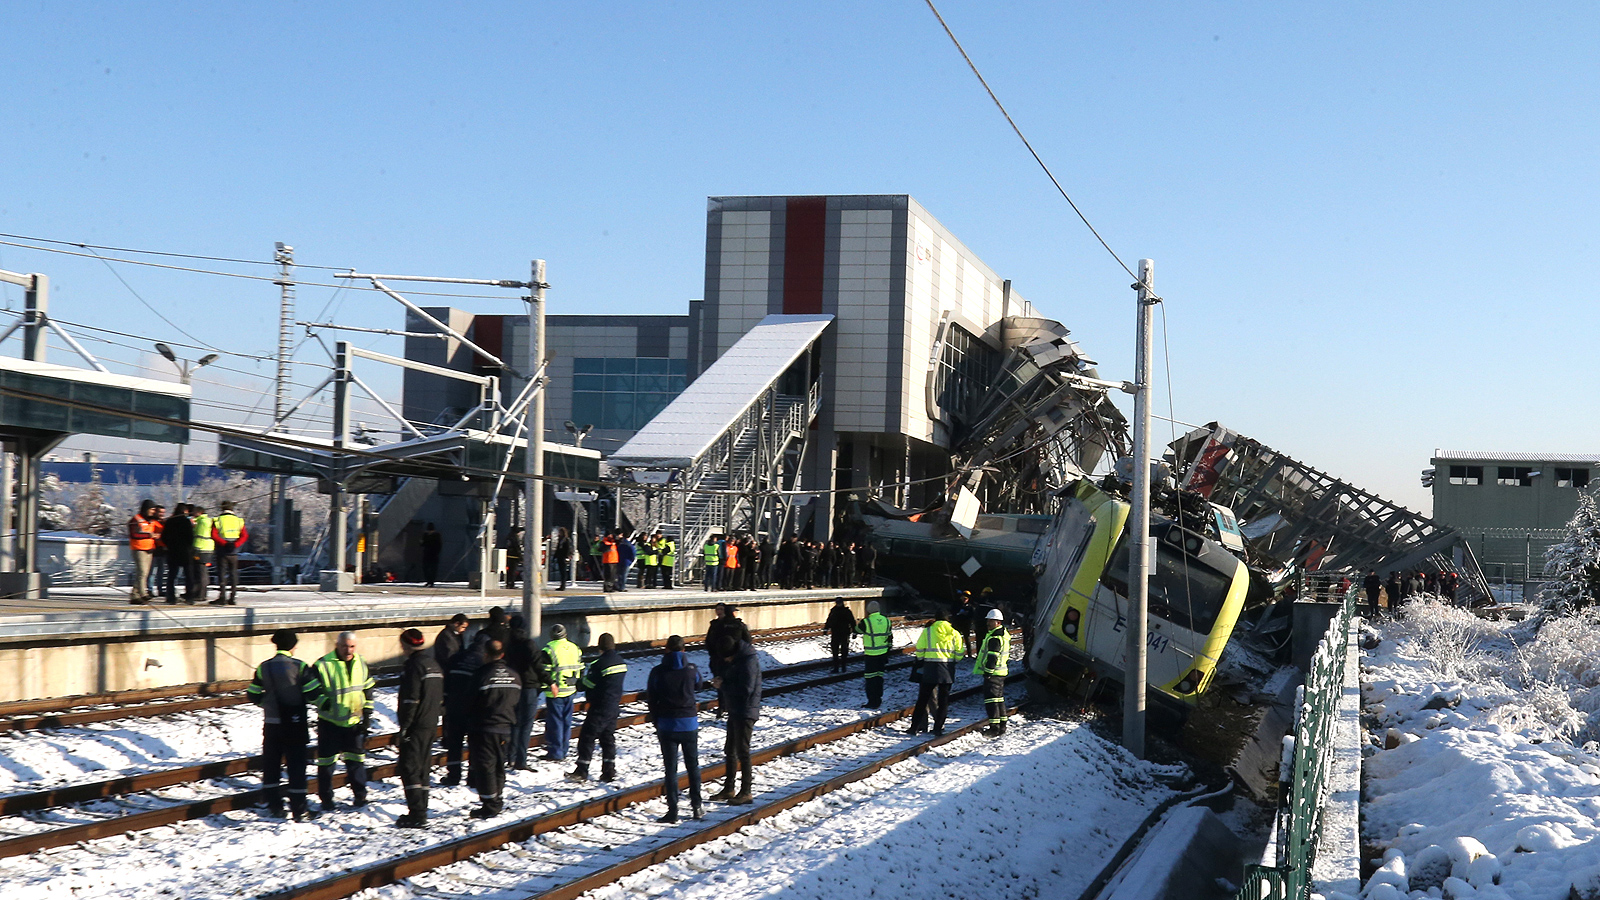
(733, 557)
(157, 526)
(140, 535)
(610, 554)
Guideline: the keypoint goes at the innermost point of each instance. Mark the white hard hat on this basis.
(995, 615)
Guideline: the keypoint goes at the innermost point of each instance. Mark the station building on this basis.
(1510, 506)
(866, 303)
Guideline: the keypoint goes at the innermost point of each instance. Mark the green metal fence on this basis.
(1300, 822)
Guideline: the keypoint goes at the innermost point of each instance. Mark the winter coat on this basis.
(445, 646)
(421, 694)
(741, 683)
(498, 690)
(671, 694)
(460, 682)
(841, 621)
(177, 532)
(938, 648)
(278, 689)
(604, 692)
(522, 656)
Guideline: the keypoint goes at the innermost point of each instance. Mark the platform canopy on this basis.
(713, 402)
(123, 402)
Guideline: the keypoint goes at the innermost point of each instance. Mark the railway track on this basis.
(125, 793)
(521, 866)
(86, 709)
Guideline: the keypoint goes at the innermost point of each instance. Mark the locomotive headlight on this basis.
(1190, 682)
(1071, 626)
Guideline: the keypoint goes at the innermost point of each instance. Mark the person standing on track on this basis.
(559, 664)
(448, 642)
(279, 689)
(522, 656)
(937, 649)
(740, 688)
(841, 625)
(421, 701)
(676, 714)
(877, 637)
(602, 685)
(994, 655)
(230, 536)
(722, 637)
(340, 687)
(460, 687)
(494, 714)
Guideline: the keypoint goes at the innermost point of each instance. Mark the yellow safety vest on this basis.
(564, 668)
(939, 642)
(202, 534)
(339, 689)
(876, 634)
(669, 553)
(994, 654)
(709, 551)
(230, 526)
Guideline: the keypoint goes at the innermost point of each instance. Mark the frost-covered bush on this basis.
(1452, 639)
(1573, 565)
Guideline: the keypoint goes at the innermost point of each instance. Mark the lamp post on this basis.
(184, 372)
(578, 434)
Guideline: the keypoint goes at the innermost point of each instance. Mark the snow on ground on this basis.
(243, 854)
(1482, 777)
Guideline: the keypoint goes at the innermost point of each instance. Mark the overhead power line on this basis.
(1025, 142)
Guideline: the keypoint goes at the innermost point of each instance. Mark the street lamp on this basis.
(578, 434)
(184, 370)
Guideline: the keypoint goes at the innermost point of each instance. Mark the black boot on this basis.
(743, 798)
(452, 777)
(581, 772)
(325, 787)
(416, 808)
(608, 770)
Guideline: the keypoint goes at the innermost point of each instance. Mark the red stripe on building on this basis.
(804, 239)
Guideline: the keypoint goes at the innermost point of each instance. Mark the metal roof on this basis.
(693, 421)
(1484, 456)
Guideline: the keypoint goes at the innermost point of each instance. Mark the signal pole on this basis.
(280, 398)
(1133, 700)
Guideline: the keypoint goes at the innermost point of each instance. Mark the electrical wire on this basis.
(228, 259)
(1036, 158)
(147, 305)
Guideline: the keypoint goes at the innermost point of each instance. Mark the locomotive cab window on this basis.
(1183, 590)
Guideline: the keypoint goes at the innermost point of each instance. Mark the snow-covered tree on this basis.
(53, 515)
(1573, 565)
(91, 514)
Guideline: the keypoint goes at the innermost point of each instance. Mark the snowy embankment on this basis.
(1482, 777)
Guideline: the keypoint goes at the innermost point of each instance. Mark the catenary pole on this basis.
(284, 256)
(1133, 701)
(533, 461)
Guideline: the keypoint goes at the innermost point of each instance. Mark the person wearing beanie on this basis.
(279, 689)
(421, 702)
(560, 665)
(877, 639)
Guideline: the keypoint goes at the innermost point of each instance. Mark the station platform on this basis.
(91, 640)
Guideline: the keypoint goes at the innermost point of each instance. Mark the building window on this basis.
(1572, 478)
(1515, 476)
(1468, 475)
(967, 368)
(623, 393)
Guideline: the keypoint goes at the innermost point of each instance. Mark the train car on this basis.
(1197, 590)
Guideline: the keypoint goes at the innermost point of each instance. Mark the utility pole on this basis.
(1133, 700)
(533, 461)
(280, 399)
(341, 432)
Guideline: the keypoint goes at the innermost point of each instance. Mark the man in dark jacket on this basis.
(421, 701)
(177, 533)
(866, 564)
(448, 643)
(278, 689)
(459, 691)
(1373, 585)
(432, 547)
(494, 714)
(602, 684)
(676, 714)
(841, 625)
(741, 693)
(521, 656)
(722, 636)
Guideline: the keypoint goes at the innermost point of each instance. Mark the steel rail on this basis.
(178, 812)
(389, 871)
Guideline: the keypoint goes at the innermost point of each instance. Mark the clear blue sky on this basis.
(1373, 224)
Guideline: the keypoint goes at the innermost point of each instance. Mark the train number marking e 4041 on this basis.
(1160, 643)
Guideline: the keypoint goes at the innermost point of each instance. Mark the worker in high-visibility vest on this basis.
(877, 638)
(340, 687)
(711, 556)
(204, 546)
(994, 652)
(560, 666)
(649, 561)
(611, 562)
(669, 561)
(142, 544)
(937, 649)
(230, 535)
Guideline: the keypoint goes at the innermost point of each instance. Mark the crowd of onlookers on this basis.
(740, 562)
(185, 545)
(1400, 585)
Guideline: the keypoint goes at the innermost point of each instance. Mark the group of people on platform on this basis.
(742, 563)
(187, 543)
(486, 689)
(653, 555)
